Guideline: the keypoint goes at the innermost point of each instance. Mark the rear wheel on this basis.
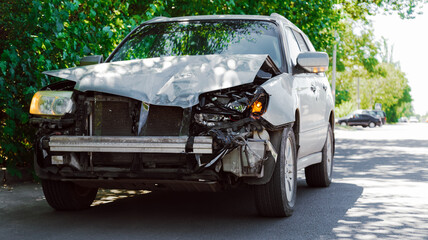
(68, 195)
(343, 124)
(278, 197)
(372, 125)
(320, 174)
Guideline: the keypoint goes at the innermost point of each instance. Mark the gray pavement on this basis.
(380, 191)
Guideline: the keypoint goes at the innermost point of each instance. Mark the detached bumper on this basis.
(120, 144)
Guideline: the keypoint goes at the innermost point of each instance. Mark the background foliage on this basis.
(40, 35)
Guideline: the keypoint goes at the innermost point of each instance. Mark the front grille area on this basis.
(166, 121)
(111, 119)
(113, 116)
(119, 116)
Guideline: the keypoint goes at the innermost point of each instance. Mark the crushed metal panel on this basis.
(247, 160)
(168, 81)
(282, 100)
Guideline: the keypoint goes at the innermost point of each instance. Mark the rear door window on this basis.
(301, 42)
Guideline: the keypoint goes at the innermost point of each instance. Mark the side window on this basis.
(308, 42)
(292, 45)
(301, 41)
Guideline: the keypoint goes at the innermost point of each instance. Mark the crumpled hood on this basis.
(168, 81)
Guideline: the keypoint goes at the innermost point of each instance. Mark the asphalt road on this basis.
(380, 190)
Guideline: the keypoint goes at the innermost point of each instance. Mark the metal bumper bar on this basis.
(122, 144)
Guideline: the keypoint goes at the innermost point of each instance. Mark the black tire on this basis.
(320, 174)
(67, 195)
(278, 197)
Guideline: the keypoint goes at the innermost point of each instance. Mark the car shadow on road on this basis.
(177, 215)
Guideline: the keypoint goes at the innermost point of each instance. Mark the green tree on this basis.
(41, 35)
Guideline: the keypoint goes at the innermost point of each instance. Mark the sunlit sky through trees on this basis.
(409, 38)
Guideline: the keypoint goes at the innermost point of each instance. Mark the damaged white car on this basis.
(200, 103)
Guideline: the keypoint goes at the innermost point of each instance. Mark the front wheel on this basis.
(278, 197)
(67, 195)
(320, 174)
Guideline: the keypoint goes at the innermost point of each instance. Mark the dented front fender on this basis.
(282, 101)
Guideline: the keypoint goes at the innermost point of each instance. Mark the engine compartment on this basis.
(231, 117)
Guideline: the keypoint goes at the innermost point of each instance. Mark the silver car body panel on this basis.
(314, 158)
(282, 100)
(168, 81)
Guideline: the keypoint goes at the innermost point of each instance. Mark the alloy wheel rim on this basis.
(289, 171)
(329, 155)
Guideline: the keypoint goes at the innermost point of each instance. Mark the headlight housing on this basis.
(51, 103)
(259, 103)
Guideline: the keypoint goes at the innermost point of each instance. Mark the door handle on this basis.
(313, 88)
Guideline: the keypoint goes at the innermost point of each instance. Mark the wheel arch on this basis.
(296, 128)
(275, 138)
(331, 122)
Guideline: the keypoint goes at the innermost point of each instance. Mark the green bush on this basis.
(36, 36)
(344, 109)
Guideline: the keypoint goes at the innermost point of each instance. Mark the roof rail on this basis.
(276, 15)
(156, 18)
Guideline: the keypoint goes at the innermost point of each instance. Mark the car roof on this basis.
(274, 17)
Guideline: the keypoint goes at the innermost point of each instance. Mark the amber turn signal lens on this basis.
(256, 107)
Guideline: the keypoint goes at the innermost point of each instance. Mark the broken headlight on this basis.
(51, 103)
(232, 105)
(259, 103)
(239, 105)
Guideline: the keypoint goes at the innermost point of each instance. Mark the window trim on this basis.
(300, 41)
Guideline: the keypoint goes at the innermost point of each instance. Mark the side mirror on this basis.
(90, 60)
(313, 62)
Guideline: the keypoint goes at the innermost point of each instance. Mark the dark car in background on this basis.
(377, 113)
(360, 119)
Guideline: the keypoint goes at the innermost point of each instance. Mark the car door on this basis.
(353, 120)
(362, 119)
(321, 85)
(307, 94)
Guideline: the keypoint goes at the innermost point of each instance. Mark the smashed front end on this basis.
(106, 139)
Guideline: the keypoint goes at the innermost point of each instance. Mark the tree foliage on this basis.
(370, 63)
(39, 35)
